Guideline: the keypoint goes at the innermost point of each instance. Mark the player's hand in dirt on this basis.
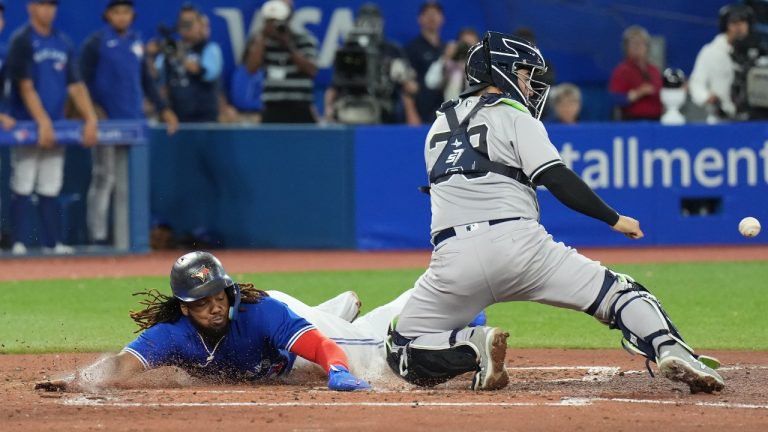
(58, 385)
(629, 227)
(340, 379)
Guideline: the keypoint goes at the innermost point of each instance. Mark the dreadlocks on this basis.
(160, 308)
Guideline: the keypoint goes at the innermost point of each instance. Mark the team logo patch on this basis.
(202, 273)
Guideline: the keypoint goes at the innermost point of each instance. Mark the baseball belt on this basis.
(447, 233)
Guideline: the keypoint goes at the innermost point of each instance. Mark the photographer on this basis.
(713, 73)
(447, 73)
(288, 60)
(372, 79)
(190, 68)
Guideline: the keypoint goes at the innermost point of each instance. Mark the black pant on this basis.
(287, 112)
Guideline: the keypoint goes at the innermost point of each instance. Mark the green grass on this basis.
(715, 305)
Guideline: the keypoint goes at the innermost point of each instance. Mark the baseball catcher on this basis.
(214, 327)
(485, 155)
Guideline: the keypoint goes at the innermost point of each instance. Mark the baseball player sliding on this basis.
(214, 327)
(486, 153)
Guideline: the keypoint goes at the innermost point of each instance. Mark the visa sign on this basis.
(341, 22)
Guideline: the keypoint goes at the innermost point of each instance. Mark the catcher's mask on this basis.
(496, 60)
(197, 275)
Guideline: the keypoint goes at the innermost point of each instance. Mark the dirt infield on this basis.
(550, 389)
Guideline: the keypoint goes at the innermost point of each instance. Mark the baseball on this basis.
(749, 227)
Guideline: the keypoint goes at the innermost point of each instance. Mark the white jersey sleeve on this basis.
(534, 149)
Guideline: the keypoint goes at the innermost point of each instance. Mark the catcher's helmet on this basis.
(496, 61)
(199, 274)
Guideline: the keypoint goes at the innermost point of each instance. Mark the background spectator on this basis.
(636, 83)
(447, 73)
(6, 121)
(117, 77)
(43, 71)
(422, 51)
(191, 68)
(288, 60)
(566, 104)
(712, 78)
(245, 90)
(382, 91)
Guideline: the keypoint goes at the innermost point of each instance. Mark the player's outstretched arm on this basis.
(571, 190)
(110, 372)
(317, 348)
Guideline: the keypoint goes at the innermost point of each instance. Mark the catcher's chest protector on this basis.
(459, 157)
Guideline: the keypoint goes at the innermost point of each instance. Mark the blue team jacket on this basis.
(117, 75)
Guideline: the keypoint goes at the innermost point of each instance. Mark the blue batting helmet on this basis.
(198, 275)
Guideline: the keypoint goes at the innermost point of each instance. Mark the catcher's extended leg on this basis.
(434, 359)
(648, 331)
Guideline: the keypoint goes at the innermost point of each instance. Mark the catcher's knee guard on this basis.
(428, 366)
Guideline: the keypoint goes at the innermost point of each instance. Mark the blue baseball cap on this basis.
(111, 3)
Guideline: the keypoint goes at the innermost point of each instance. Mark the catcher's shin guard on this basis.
(634, 343)
(428, 366)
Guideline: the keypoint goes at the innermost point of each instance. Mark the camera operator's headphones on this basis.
(735, 12)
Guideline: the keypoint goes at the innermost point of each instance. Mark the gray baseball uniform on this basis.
(487, 263)
(484, 157)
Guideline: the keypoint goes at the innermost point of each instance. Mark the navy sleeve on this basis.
(281, 324)
(571, 190)
(149, 87)
(20, 63)
(89, 58)
(153, 347)
(73, 69)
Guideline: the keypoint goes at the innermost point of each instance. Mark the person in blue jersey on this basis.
(116, 73)
(6, 121)
(43, 73)
(212, 327)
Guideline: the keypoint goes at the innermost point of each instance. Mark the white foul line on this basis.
(564, 402)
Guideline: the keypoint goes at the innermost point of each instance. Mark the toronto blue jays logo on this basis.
(202, 273)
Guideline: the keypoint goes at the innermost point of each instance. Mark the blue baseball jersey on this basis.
(3, 79)
(49, 61)
(257, 345)
(117, 75)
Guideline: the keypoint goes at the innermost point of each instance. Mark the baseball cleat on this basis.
(491, 343)
(19, 249)
(59, 249)
(677, 364)
(352, 305)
